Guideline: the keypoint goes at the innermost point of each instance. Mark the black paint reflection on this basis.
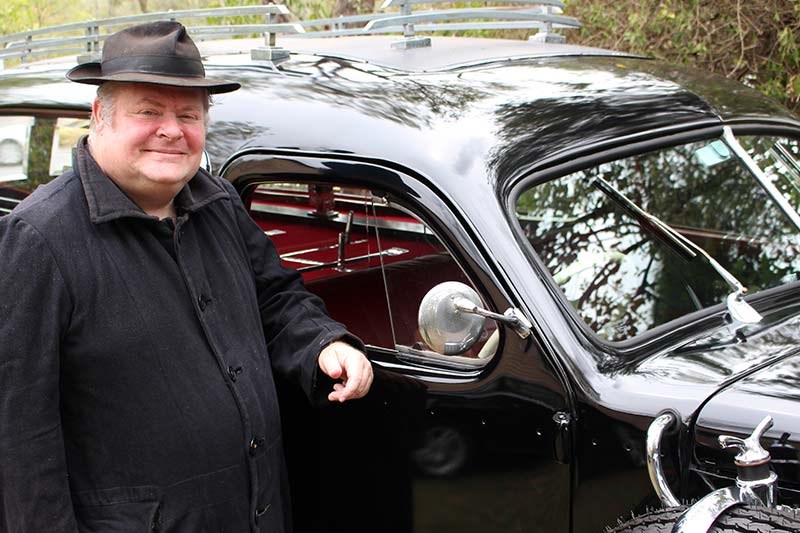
(429, 458)
(312, 90)
(772, 390)
(581, 103)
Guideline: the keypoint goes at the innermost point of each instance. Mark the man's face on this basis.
(155, 138)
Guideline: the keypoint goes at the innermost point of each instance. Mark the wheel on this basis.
(10, 152)
(444, 451)
(738, 519)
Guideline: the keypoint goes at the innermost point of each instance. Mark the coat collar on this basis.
(106, 201)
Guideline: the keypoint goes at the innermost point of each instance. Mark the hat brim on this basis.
(91, 74)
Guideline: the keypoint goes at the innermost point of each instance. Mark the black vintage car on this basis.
(574, 269)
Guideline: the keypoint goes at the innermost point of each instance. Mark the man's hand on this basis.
(341, 361)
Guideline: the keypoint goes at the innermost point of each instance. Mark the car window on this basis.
(779, 158)
(620, 275)
(65, 136)
(14, 135)
(372, 262)
(34, 150)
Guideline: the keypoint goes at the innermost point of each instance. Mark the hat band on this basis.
(172, 66)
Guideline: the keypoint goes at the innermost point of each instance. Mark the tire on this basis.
(445, 450)
(738, 519)
(10, 152)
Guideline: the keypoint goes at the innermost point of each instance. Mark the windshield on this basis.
(620, 275)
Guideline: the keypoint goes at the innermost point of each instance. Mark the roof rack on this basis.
(544, 15)
(29, 43)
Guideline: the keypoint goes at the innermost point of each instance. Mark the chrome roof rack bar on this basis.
(432, 28)
(68, 45)
(473, 13)
(546, 12)
(25, 44)
(544, 15)
(335, 24)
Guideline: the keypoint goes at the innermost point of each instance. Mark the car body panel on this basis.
(770, 388)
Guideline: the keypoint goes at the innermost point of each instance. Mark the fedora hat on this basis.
(157, 52)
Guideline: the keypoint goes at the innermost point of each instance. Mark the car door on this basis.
(477, 439)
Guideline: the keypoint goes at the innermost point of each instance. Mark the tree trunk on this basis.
(353, 7)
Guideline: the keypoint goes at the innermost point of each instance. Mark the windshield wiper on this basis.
(739, 309)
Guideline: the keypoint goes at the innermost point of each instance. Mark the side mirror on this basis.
(444, 324)
(451, 318)
(205, 162)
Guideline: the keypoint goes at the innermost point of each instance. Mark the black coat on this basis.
(136, 385)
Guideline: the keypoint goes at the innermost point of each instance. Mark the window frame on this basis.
(249, 168)
(570, 161)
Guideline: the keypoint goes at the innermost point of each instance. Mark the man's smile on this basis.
(167, 151)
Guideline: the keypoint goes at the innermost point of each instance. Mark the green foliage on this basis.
(300, 9)
(756, 42)
(21, 15)
(12, 16)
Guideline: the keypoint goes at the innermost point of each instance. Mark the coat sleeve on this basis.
(34, 311)
(296, 324)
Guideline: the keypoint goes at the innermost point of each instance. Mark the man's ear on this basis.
(97, 118)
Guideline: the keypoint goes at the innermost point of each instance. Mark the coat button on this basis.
(255, 444)
(234, 372)
(203, 301)
(261, 511)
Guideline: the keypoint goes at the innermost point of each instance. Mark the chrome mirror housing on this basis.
(443, 323)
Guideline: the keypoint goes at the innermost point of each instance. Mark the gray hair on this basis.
(107, 101)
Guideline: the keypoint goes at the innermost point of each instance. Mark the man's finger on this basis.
(342, 361)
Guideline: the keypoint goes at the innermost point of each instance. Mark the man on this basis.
(143, 314)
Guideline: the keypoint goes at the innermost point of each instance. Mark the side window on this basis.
(65, 136)
(14, 135)
(34, 150)
(370, 260)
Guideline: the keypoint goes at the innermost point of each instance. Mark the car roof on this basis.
(446, 53)
(518, 108)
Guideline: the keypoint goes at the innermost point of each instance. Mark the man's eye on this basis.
(148, 112)
(189, 117)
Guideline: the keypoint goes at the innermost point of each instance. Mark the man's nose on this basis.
(170, 127)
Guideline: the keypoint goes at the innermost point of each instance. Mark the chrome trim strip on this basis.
(317, 249)
(412, 355)
(303, 261)
(316, 265)
(654, 434)
(701, 516)
(436, 375)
